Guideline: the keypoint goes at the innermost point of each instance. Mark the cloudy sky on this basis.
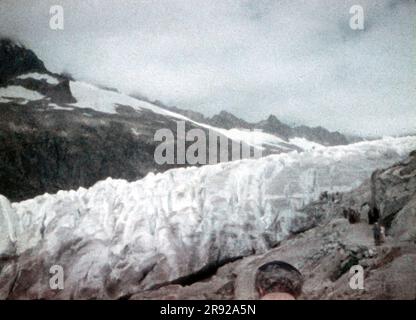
(298, 60)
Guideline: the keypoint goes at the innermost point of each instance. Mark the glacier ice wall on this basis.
(117, 238)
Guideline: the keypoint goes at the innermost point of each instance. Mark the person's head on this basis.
(278, 280)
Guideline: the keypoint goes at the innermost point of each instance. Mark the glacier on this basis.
(40, 77)
(117, 237)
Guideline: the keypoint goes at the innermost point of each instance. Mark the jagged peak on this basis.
(16, 59)
(226, 114)
(273, 119)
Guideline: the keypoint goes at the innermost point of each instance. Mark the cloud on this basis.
(299, 60)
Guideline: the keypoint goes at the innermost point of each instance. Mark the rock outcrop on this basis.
(15, 59)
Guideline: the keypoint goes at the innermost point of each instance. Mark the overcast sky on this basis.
(298, 60)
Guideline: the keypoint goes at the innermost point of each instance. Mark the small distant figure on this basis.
(379, 234)
(338, 197)
(278, 280)
(373, 215)
(353, 216)
(345, 213)
(323, 196)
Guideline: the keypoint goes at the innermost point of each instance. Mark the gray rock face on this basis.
(404, 224)
(395, 190)
(8, 222)
(275, 126)
(394, 187)
(321, 135)
(8, 254)
(324, 255)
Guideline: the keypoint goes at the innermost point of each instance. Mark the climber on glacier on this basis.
(278, 280)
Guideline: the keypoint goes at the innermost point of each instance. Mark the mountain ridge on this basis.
(271, 125)
(16, 60)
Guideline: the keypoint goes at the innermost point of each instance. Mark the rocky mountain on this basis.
(119, 239)
(271, 125)
(227, 120)
(57, 133)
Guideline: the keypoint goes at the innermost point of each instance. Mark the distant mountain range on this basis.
(272, 125)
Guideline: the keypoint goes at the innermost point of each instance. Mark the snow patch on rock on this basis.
(39, 76)
(90, 96)
(18, 92)
(56, 107)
